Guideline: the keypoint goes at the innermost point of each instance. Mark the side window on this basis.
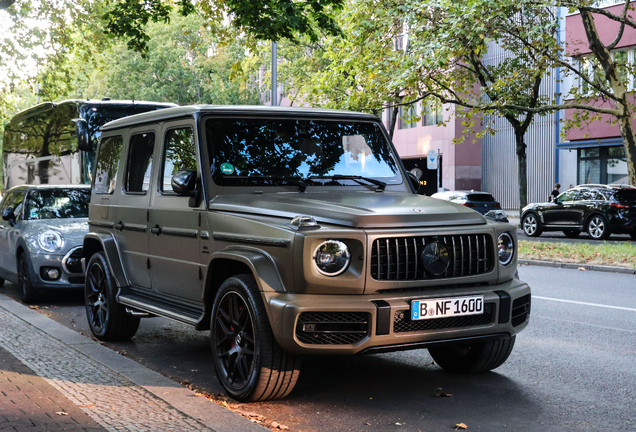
(566, 196)
(6, 202)
(179, 154)
(107, 165)
(139, 163)
(18, 202)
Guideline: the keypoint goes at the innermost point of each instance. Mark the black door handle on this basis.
(119, 226)
(156, 230)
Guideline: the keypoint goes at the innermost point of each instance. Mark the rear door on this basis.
(5, 253)
(131, 215)
(175, 256)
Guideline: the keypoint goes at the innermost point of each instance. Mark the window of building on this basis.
(408, 115)
(432, 112)
(590, 69)
(602, 165)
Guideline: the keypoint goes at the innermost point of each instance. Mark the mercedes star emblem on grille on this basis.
(435, 258)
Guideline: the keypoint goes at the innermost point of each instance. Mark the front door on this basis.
(561, 211)
(175, 256)
(6, 255)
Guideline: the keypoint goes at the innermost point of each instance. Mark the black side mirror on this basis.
(9, 216)
(414, 181)
(184, 182)
(83, 137)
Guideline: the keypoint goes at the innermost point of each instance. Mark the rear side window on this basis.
(179, 154)
(139, 163)
(480, 198)
(107, 165)
(626, 196)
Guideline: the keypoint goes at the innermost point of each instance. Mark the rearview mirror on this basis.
(9, 216)
(83, 137)
(184, 182)
(414, 181)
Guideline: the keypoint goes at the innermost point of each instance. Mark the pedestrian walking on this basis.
(555, 193)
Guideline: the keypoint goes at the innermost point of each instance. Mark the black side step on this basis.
(146, 302)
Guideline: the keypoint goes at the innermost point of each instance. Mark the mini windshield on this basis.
(58, 203)
(288, 151)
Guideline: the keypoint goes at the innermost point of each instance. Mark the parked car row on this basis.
(599, 210)
(285, 232)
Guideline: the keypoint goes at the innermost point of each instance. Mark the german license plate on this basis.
(447, 307)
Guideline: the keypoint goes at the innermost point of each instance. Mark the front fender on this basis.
(95, 242)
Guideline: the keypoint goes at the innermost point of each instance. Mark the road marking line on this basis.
(585, 303)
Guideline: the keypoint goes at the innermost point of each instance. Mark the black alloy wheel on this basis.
(235, 338)
(597, 227)
(571, 233)
(249, 363)
(530, 225)
(107, 319)
(27, 293)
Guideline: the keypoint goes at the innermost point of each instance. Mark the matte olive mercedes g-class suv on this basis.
(290, 232)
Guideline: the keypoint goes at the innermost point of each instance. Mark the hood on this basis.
(73, 230)
(354, 209)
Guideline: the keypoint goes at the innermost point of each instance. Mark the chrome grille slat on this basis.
(393, 259)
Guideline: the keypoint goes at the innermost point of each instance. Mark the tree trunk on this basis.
(629, 141)
(523, 169)
(395, 112)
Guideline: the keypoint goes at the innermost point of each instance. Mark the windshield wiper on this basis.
(356, 178)
(291, 180)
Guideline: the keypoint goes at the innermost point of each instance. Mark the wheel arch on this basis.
(234, 261)
(101, 242)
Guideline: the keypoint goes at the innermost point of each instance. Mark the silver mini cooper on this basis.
(41, 235)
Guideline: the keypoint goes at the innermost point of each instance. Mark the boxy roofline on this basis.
(185, 111)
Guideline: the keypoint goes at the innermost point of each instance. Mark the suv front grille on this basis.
(400, 258)
(332, 328)
(402, 322)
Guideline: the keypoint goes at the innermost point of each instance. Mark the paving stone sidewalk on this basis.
(99, 389)
(29, 403)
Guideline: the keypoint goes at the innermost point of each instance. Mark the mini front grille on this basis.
(73, 261)
(402, 322)
(520, 310)
(400, 258)
(332, 328)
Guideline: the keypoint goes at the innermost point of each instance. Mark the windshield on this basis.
(316, 152)
(58, 203)
(98, 116)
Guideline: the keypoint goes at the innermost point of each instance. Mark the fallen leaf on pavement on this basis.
(460, 426)
(62, 413)
(367, 423)
(581, 268)
(442, 394)
(34, 307)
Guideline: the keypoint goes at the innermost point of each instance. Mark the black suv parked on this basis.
(598, 209)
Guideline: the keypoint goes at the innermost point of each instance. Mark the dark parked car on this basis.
(41, 235)
(482, 202)
(598, 209)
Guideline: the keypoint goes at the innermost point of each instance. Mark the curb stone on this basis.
(575, 266)
(182, 399)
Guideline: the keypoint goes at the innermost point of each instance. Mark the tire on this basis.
(597, 227)
(107, 319)
(476, 358)
(530, 225)
(571, 233)
(1, 282)
(633, 235)
(249, 363)
(27, 293)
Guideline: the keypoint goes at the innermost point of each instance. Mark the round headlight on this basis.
(50, 241)
(332, 258)
(506, 248)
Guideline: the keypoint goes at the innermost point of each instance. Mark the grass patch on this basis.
(601, 253)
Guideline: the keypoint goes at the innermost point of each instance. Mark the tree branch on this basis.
(619, 36)
(624, 20)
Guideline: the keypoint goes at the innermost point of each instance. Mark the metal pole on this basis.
(274, 74)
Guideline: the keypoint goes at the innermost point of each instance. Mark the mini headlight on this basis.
(50, 241)
(506, 248)
(332, 258)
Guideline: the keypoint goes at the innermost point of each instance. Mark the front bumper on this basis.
(67, 279)
(381, 322)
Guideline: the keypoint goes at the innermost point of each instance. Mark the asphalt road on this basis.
(573, 368)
